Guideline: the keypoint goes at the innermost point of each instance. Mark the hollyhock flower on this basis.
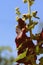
(21, 23)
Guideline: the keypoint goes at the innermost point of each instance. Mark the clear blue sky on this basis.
(8, 21)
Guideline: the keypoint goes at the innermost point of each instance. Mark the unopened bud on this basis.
(25, 1)
(26, 16)
(17, 9)
(17, 18)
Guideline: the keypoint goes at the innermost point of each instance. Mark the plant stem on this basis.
(29, 11)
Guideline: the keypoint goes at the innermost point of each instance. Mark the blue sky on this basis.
(8, 21)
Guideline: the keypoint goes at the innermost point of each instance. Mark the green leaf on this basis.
(21, 56)
(37, 49)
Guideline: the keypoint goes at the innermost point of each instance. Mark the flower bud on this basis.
(25, 1)
(31, 2)
(34, 13)
(26, 16)
(17, 18)
(17, 9)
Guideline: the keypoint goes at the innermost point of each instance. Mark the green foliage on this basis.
(5, 48)
(4, 60)
(22, 55)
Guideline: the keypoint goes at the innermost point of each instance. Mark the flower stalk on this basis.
(29, 11)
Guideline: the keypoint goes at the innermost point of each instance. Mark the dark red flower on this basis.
(21, 23)
(40, 37)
